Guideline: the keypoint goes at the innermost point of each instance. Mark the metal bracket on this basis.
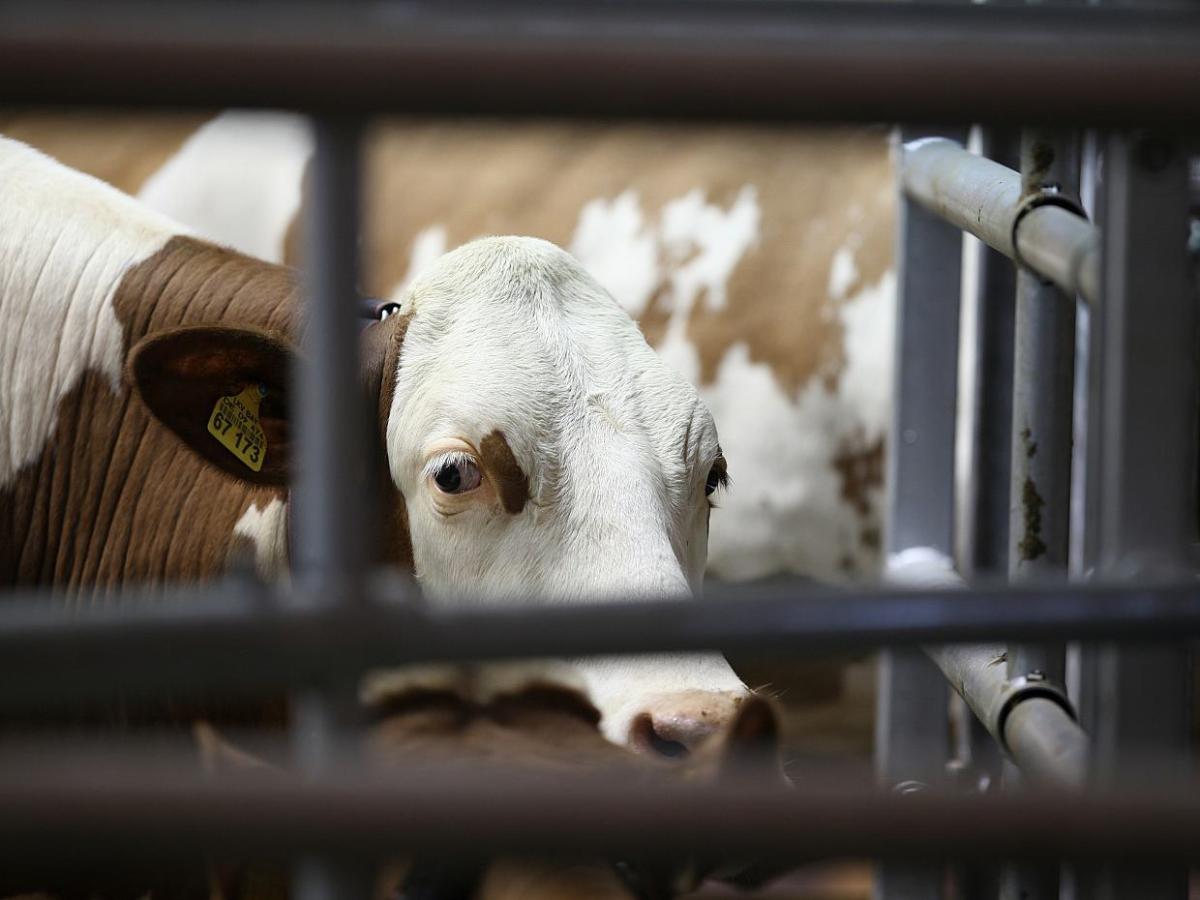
(1026, 687)
(1047, 195)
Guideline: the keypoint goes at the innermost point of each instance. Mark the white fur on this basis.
(512, 335)
(266, 528)
(66, 240)
(237, 180)
(922, 567)
(621, 250)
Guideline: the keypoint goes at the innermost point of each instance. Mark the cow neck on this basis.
(115, 498)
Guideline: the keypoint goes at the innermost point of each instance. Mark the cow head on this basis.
(538, 450)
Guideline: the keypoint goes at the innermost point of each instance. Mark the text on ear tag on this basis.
(234, 422)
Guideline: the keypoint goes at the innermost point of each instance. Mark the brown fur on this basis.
(502, 467)
(380, 351)
(115, 498)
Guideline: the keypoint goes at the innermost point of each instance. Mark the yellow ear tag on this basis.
(234, 422)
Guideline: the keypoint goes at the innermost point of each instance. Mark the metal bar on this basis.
(1083, 665)
(911, 729)
(985, 199)
(111, 813)
(1043, 393)
(978, 673)
(746, 60)
(1146, 512)
(986, 551)
(328, 533)
(226, 637)
(329, 496)
(1043, 401)
(984, 554)
(1043, 739)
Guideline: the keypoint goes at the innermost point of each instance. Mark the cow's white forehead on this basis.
(512, 333)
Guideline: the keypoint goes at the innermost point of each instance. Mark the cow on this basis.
(757, 261)
(533, 443)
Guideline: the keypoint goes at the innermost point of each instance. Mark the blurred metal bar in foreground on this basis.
(329, 498)
(1146, 427)
(984, 198)
(753, 59)
(228, 637)
(124, 811)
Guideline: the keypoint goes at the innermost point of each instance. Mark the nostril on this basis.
(645, 738)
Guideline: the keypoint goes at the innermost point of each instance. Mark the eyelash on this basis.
(453, 458)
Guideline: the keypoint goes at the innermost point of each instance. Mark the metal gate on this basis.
(1100, 773)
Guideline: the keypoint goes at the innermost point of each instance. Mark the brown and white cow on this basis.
(535, 444)
(757, 261)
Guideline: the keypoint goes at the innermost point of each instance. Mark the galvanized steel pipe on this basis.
(984, 198)
(1044, 740)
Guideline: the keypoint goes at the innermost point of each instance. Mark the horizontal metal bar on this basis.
(233, 636)
(753, 59)
(114, 811)
(1038, 733)
(985, 199)
(1044, 741)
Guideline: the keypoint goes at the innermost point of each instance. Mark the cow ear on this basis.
(224, 392)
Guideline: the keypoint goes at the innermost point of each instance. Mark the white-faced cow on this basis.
(535, 445)
(757, 261)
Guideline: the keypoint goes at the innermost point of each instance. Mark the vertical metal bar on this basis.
(329, 495)
(911, 726)
(1043, 402)
(985, 545)
(1043, 397)
(1081, 658)
(1145, 425)
(330, 417)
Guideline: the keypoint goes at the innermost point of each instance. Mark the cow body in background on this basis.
(756, 260)
(534, 444)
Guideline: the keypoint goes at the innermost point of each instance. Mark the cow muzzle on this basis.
(675, 725)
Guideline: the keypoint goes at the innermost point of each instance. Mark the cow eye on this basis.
(457, 476)
(718, 477)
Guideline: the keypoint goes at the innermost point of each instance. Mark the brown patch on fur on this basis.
(861, 471)
(511, 482)
(818, 190)
(115, 498)
(124, 149)
(515, 729)
(192, 282)
(380, 360)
